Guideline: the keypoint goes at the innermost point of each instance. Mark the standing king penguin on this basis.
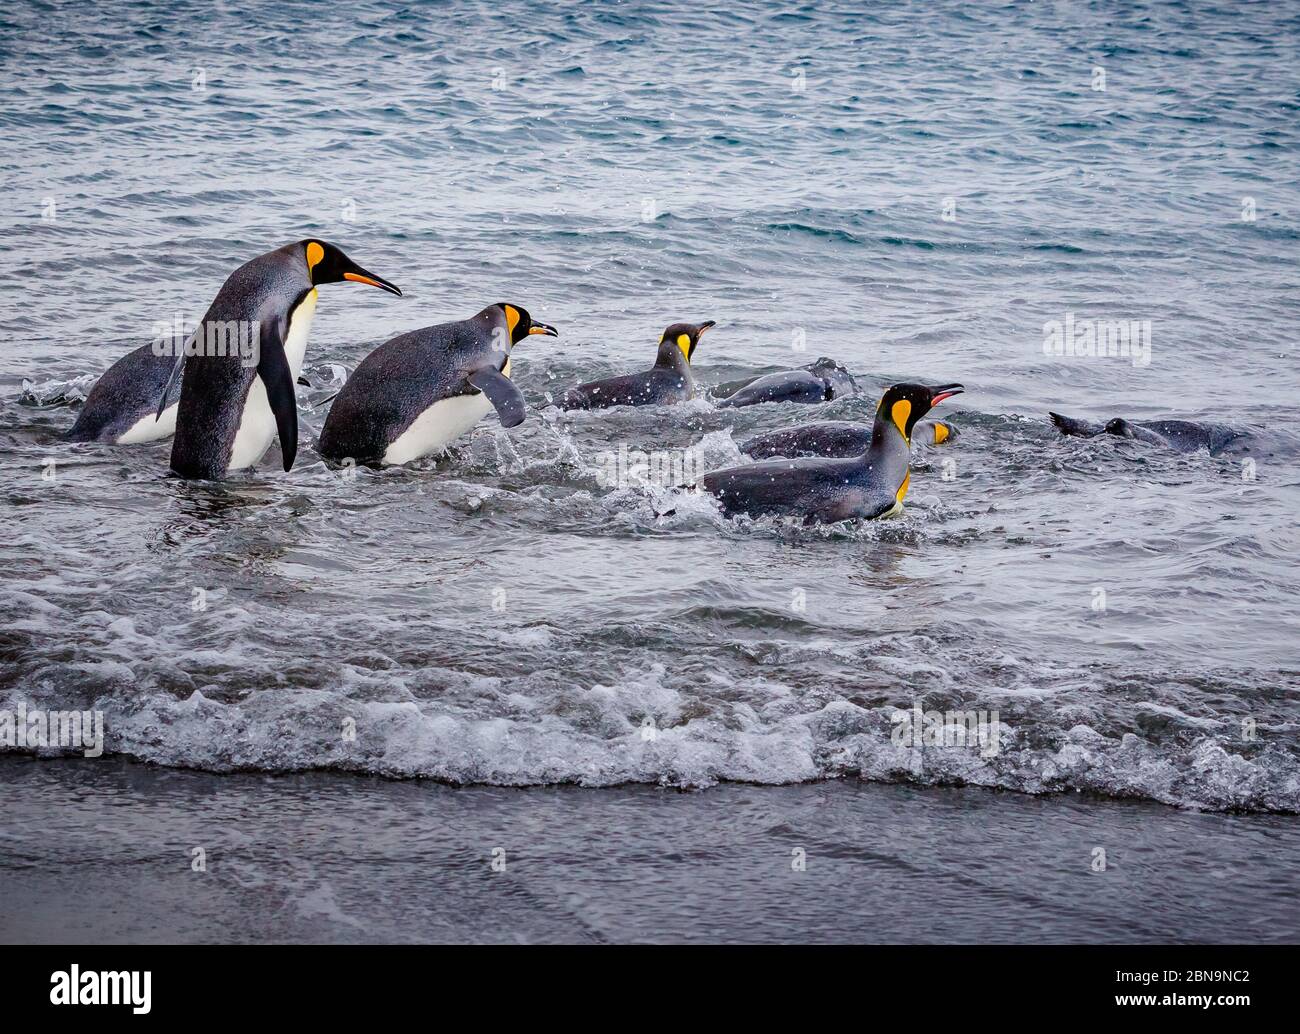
(417, 393)
(668, 381)
(230, 409)
(825, 490)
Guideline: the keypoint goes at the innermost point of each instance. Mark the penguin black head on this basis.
(1119, 426)
(521, 324)
(686, 336)
(326, 264)
(904, 404)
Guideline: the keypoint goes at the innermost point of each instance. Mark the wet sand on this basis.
(103, 852)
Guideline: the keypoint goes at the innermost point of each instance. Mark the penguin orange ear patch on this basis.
(900, 411)
(315, 253)
(684, 343)
(512, 320)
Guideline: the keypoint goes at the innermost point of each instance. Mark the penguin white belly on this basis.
(147, 429)
(437, 427)
(257, 425)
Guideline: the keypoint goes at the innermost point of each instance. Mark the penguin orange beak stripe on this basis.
(543, 328)
(373, 281)
(946, 392)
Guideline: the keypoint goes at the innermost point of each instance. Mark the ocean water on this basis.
(914, 191)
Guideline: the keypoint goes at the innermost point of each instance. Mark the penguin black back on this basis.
(835, 438)
(1178, 435)
(419, 391)
(667, 382)
(825, 490)
(260, 295)
(818, 382)
(126, 399)
(234, 401)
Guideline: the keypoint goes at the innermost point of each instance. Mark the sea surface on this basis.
(913, 190)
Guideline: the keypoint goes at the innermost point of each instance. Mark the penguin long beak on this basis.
(945, 391)
(543, 328)
(362, 276)
(705, 326)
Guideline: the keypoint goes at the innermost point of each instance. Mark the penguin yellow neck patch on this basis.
(899, 412)
(902, 489)
(512, 320)
(684, 343)
(940, 434)
(315, 253)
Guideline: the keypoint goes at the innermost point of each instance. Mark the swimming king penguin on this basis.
(1179, 435)
(668, 381)
(824, 490)
(233, 403)
(419, 392)
(818, 382)
(835, 438)
(122, 407)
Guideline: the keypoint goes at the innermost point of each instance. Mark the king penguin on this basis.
(668, 381)
(122, 407)
(1178, 435)
(818, 382)
(825, 490)
(135, 400)
(231, 406)
(836, 438)
(416, 394)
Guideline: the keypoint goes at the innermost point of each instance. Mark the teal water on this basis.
(501, 616)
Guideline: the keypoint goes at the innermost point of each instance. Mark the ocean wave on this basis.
(640, 728)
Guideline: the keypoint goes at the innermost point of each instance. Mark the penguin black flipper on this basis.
(281, 395)
(171, 379)
(502, 393)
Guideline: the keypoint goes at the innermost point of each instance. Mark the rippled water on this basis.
(500, 616)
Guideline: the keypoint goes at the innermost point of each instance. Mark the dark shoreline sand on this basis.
(100, 852)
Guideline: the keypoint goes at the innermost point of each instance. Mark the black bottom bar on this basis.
(305, 983)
